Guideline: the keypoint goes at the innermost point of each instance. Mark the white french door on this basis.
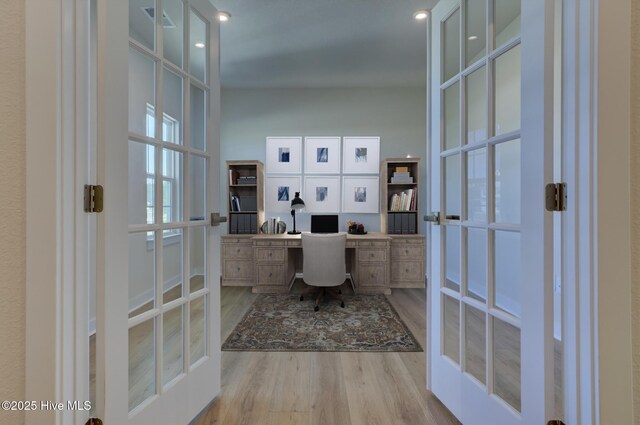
(158, 355)
(491, 254)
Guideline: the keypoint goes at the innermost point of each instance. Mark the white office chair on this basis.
(324, 264)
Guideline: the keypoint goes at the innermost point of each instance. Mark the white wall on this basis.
(396, 115)
(12, 207)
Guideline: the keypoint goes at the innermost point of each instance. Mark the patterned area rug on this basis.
(284, 323)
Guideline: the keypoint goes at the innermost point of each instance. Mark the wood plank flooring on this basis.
(309, 388)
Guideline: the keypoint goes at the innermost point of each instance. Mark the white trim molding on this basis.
(596, 241)
(56, 341)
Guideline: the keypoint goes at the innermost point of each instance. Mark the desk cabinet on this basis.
(237, 260)
(407, 261)
(275, 266)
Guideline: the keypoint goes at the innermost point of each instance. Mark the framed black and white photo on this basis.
(361, 155)
(322, 155)
(284, 155)
(322, 194)
(360, 194)
(279, 191)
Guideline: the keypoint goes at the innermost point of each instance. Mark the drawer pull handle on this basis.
(271, 274)
(372, 275)
(238, 269)
(406, 270)
(372, 255)
(406, 251)
(270, 254)
(238, 251)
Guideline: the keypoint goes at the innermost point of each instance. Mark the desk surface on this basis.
(286, 236)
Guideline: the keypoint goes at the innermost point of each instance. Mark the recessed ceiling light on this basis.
(421, 15)
(224, 16)
(473, 37)
(199, 45)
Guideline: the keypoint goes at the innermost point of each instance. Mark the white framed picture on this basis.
(284, 155)
(322, 155)
(279, 191)
(360, 194)
(322, 194)
(361, 155)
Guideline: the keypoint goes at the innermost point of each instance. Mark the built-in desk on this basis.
(276, 257)
(376, 262)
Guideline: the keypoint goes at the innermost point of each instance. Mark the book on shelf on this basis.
(233, 176)
(235, 203)
(403, 201)
(246, 180)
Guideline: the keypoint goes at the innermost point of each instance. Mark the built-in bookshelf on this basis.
(399, 192)
(245, 196)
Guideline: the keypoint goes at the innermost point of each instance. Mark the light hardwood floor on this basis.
(305, 388)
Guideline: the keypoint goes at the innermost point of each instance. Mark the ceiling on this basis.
(323, 43)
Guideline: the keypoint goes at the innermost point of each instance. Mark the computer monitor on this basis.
(324, 224)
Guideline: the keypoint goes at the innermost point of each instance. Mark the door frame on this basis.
(596, 237)
(596, 241)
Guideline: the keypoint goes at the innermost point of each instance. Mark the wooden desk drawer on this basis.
(407, 241)
(407, 252)
(372, 275)
(236, 269)
(372, 254)
(372, 243)
(234, 239)
(239, 251)
(406, 271)
(270, 254)
(269, 243)
(270, 274)
(294, 243)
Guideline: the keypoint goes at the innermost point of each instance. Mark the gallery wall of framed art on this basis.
(340, 174)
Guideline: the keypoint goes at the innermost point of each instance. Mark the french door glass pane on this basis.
(452, 257)
(452, 186)
(142, 362)
(451, 51)
(477, 264)
(172, 341)
(476, 30)
(198, 47)
(172, 264)
(507, 271)
(141, 183)
(506, 20)
(197, 183)
(173, 32)
(506, 362)
(172, 121)
(142, 95)
(142, 272)
(475, 354)
(198, 111)
(507, 91)
(507, 182)
(452, 116)
(197, 250)
(198, 331)
(172, 186)
(476, 106)
(477, 185)
(142, 25)
(451, 328)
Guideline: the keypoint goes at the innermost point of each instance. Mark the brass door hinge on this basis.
(556, 197)
(93, 198)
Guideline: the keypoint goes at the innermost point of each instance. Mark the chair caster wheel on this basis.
(342, 304)
(301, 297)
(339, 291)
(316, 308)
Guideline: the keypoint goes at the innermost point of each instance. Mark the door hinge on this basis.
(93, 198)
(94, 421)
(556, 197)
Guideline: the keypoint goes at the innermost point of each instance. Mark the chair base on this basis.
(321, 294)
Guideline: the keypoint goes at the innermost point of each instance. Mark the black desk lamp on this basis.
(296, 204)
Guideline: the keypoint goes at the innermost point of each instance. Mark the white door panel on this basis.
(491, 256)
(158, 356)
